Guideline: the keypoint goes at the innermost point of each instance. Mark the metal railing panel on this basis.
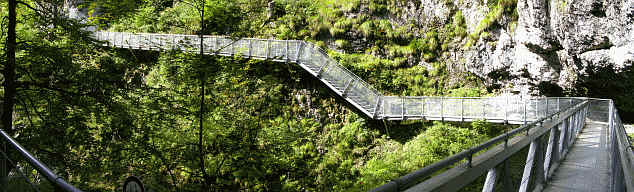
(413, 106)
(259, 48)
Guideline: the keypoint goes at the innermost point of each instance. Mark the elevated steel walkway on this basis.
(602, 157)
(346, 84)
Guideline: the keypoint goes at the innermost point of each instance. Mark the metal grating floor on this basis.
(587, 165)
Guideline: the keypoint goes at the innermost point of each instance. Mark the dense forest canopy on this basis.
(184, 122)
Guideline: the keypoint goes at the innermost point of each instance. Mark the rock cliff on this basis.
(543, 50)
(555, 43)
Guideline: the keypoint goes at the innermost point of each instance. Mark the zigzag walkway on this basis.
(602, 159)
(346, 84)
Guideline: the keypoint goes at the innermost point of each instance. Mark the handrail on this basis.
(366, 84)
(41, 167)
(622, 152)
(415, 177)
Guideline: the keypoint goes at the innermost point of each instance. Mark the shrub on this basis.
(437, 142)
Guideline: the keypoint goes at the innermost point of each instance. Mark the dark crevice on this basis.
(604, 44)
(597, 9)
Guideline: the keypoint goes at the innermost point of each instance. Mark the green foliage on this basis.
(489, 129)
(437, 142)
(221, 17)
(342, 44)
(111, 9)
(496, 10)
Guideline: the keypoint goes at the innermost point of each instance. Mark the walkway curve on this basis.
(360, 94)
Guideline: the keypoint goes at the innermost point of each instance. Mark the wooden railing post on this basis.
(376, 106)
(535, 109)
(300, 46)
(403, 108)
(268, 49)
(346, 88)
(286, 53)
(383, 107)
(422, 107)
(539, 167)
(573, 127)
(546, 106)
(250, 48)
(484, 105)
(506, 110)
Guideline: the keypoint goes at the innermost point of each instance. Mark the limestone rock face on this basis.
(553, 42)
(557, 41)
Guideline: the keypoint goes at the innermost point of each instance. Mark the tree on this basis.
(9, 87)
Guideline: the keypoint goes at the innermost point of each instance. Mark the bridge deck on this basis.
(587, 165)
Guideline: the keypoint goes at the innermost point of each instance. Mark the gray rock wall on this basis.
(556, 42)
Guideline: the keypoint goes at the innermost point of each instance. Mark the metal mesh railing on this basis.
(345, 83)
(540, 136)
(276, 50)
(496, 109)
(310, 57)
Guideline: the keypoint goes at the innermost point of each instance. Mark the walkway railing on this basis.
(345, 83)
(622, 153)
(548, 140)
(557, 131)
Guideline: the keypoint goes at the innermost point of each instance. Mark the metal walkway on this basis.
(561, 155)
(587, 166)
(360, 94)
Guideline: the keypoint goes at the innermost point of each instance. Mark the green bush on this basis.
(437, 142)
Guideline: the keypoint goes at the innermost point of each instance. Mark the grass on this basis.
(496, 10)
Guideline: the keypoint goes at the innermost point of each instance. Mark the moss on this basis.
(400, 33)
(484, 35)
(400, 51)
(458, 19)
(497, 9)
(350, 5)
(378, 7)
(562, 5)
(367, 28)
(337, 32)
(512, 26)
(321, 44)
(342, 44)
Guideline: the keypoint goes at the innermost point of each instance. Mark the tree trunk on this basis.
(205, 184)
(9, 90)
